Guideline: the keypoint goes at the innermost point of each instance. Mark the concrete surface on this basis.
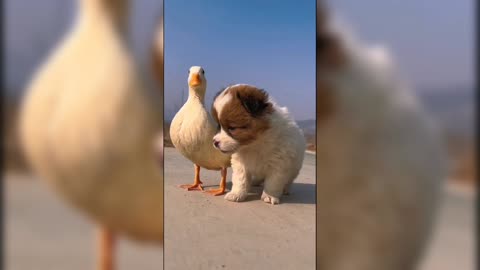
(206, 232)
(42, 233)
(453, 242)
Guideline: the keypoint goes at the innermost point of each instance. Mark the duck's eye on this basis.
(203, 71)
(189, 71)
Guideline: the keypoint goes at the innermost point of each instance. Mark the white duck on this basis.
(88, 127)
(192, 130)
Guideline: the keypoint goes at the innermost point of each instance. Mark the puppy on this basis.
(380, 160)
(265, 143)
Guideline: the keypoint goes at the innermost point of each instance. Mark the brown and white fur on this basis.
(265, 142)
(380, 163)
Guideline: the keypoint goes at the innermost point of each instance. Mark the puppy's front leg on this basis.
(240, 183)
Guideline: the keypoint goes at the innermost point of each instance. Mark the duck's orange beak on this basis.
(195, 80)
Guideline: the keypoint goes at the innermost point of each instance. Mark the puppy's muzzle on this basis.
(216, 144)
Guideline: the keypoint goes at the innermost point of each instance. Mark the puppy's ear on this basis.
(255, 101)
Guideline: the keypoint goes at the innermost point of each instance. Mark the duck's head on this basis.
(197, 80)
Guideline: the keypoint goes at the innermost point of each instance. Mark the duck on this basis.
(192, 130)
(88, 127)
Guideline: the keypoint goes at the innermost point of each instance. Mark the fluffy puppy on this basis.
(380, 162)
(266, 144)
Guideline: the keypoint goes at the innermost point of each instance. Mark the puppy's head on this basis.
(242, 113)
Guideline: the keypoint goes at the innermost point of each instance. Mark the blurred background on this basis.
(432, 44)
(33, 28)
(42, 232)
(270, 44)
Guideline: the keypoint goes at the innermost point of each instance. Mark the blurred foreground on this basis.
(43, 233)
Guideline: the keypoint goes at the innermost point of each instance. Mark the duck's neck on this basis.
(114, 11)
(196, 95)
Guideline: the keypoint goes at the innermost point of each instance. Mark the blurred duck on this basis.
(88, 127)
(157, 73)
(192, 130)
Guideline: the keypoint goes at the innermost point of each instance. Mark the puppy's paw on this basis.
(235, 196)
(270, 199)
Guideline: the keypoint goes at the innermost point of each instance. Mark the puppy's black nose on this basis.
(216, 143)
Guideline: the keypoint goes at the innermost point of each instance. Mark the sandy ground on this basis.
(205, 232)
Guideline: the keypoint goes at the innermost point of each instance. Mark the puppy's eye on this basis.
(231, 128)
(218, 127)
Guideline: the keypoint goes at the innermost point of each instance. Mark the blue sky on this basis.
(33, 27)
(270, 44)
(250, 41)
(432, 41)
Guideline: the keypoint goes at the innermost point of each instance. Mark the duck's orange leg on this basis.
(106, 249)
(197, 184)
(223, 182)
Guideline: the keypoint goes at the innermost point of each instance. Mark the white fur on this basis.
(380, 166)
(275, 156)
(223, 99)
(220, 102)
(228, 144)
